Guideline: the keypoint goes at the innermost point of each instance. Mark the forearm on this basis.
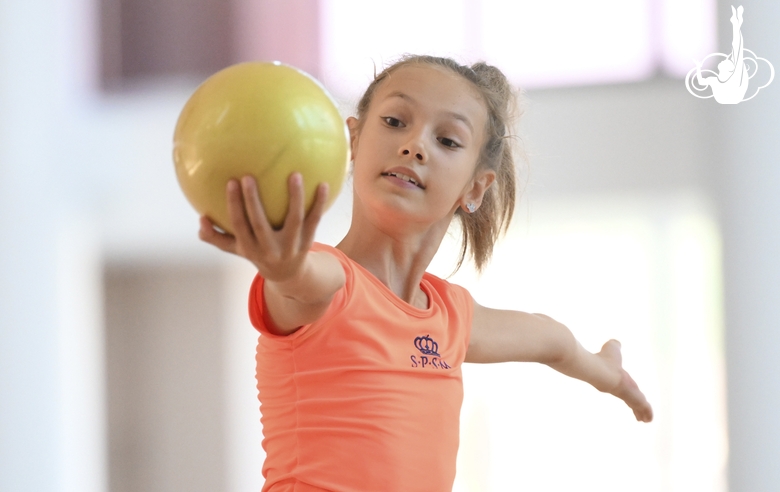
(303, 298)
(515, 336)
(318, 278)
(503, 336)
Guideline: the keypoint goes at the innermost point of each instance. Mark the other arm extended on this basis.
(504, 336)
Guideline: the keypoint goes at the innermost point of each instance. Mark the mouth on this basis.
(406, 178)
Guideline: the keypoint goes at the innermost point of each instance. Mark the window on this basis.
(643, 271)
(538, 44)
(148, 40)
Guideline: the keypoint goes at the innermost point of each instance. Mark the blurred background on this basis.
(647, 215)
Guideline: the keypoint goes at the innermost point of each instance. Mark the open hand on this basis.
(627, 389)
(277, 254)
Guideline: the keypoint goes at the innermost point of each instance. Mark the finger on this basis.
(255, 211)
(294, 218)
(237, 212)
(314, 216)
(208, 234)
(644, 414)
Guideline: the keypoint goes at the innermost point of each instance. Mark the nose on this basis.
(414, 147)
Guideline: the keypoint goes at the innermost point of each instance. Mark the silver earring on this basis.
(471, 207)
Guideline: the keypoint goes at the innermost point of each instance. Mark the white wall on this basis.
(748, 191)
(29, 211)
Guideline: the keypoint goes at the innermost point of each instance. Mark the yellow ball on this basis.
(264, 119)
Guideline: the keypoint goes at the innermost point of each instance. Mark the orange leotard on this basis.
(368, 397)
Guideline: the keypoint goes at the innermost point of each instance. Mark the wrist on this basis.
(290, 283)
(611, 373)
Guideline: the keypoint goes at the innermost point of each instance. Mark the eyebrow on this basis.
(451, 114)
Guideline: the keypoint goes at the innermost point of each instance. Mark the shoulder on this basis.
(328, 251)
(329, 274)
(452, 294)
(444, 285)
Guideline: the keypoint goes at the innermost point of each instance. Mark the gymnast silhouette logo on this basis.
(735, 70)
(426, 345)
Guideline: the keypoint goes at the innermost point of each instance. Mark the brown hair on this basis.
(481, 229)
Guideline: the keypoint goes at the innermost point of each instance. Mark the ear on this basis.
(353, 124)
(480, 184)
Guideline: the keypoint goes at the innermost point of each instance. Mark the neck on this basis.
(394, 252)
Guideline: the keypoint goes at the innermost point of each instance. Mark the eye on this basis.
(390, 121)
(448, 142)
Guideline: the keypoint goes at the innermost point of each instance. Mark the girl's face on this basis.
(416, 149)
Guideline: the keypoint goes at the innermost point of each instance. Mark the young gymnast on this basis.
(359, 358)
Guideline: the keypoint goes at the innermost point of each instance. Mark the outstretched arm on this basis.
(504, 336)
(299, 283)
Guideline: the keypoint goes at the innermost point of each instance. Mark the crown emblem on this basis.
(426, 345)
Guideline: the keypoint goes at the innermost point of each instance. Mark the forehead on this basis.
(434, 88)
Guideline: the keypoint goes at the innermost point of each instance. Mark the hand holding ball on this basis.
(267, 120)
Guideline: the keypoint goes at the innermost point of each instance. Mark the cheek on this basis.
(449, 188)
(362, 147)
(467, 167)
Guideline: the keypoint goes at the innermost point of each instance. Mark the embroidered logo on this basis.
(430, 358)
(426, 345)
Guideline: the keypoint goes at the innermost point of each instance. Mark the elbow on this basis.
(565, 348)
